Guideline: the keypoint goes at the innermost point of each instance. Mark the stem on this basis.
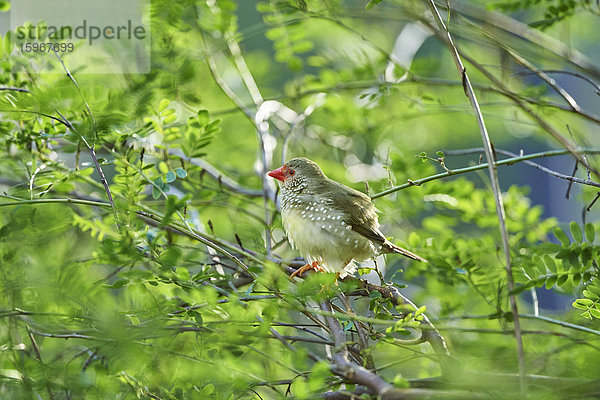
(561, 323)
(444, 34)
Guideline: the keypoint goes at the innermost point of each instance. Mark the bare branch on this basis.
(571, 178)
(14, 89)
(508, 161)
(575, 74)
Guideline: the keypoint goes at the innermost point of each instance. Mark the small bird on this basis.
(328, 222)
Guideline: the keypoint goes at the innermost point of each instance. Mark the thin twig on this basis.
(517, 28)
(575, 74)
(539, 120)
(571, 183)
(36, 350)
(257, 98)
(217, 175)
(571, 178)
(508, 161)
(561, 323)
(432, 335)
(362, 336)
(283, 340)
(91, 148)
(542, 75)
(14, 89)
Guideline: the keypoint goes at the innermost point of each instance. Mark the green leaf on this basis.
(208, 389)
(170, 177)
(213, 126)
(590, 233)
(119, 283)
(561, 236)
(590, 295)
(372, 4)
(348, 326)
(181, 173)
(157, 187)
(162, 106)
(550, 281)
(162, 167)
(594, 289)
(595, 313)
(420, 310)
(440, 154)
(576, 232)
(401, 382)
(170, 119)
(575, 304)
(7, 43)
(586, 315)
(562, 279)
(550, 264)
(4, 6)
(203, 117)
(584, 302)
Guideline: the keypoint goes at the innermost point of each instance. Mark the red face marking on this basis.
(281, 173)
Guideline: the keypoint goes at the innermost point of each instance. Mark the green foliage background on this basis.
(181, 290)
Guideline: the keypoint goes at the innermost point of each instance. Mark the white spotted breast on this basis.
(320, 233)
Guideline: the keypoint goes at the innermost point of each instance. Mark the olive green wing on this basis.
(358, 210)
(361, 215)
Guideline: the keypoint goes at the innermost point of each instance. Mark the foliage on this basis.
(171, 281)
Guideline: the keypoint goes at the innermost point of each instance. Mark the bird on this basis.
(329, 223)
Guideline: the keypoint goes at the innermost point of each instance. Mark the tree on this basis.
(143, 254)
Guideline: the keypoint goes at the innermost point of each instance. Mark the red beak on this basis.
(277, 174)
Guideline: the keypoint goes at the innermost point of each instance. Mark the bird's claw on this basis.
(314, 265)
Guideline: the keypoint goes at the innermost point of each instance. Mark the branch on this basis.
(432, 335)
(508, 161)
(67, 200)
(539, 120)
(570, 178)
(575, 74)
(444, 34)
(14, 89)
(343, 367)
(214, 173)
(362, 336)
(415, 79)
(408, 394)
(520, 29)
(561, 323)
(204, 239)
(257, 98)
(353, 372)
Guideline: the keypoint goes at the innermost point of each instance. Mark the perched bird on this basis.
(328, 222)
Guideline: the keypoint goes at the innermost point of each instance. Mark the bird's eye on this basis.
(292, 172)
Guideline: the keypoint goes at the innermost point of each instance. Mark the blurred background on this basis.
(141, 290)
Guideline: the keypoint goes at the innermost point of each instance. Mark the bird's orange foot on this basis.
(314, 265)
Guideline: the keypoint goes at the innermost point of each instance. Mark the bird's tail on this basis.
(392, 248)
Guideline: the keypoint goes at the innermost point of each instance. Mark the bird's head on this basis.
(298, 173)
